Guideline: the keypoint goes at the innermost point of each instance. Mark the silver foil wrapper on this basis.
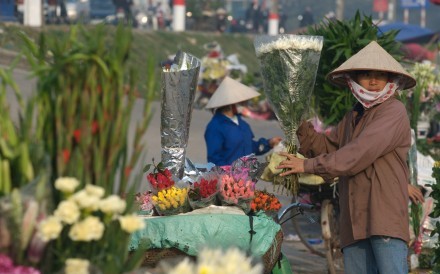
(179, 83)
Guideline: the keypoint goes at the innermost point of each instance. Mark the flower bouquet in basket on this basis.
(236, 191)
(288, 65)
(171, 201)
(145, 203)
(265, 201)
(203, 193)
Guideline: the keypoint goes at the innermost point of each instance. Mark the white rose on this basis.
(66, 184)
(50, 228)
(113, 204)
(86, 201)
(95, 190)
(131, 223)
(77, 266)
(67, 211)
(91, 228)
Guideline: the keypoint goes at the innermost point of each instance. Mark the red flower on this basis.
(127, 171)
(77, 135)
(95, 127)
(66, 155)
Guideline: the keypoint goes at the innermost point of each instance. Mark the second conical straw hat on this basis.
(231, 92)
(371, 57)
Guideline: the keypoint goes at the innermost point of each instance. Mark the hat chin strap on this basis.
(371, 98)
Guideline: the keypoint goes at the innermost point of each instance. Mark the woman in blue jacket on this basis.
(227, 136)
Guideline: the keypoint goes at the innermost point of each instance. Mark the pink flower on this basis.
(6, 265)
(25, 270)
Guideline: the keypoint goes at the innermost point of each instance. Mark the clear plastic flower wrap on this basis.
(204, 191)
(288, 65)
(236, 189)
(171, 201)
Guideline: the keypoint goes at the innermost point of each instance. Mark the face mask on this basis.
(371, 98)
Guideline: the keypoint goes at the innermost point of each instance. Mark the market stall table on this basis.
(213, 227)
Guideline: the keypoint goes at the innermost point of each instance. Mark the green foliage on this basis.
(435, 194)
(86, 92)
(342, 39)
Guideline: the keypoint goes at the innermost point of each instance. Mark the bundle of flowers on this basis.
(171, 201)
(145, 203)
(232, 260)
(203, 192)
(237, 191)
(266, 202)
(7, 266)
(161, 178)
(90, 226)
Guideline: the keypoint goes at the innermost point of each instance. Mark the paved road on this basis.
(302, 261)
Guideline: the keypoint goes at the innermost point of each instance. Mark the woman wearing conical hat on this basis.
(368, 151)
(228, 137)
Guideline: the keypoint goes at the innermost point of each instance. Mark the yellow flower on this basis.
(96, 191)
(113, 204)
(77, 266)
(131, 223)
(162, 207)
(86, 201)
(67, 212)
(87, 230)
(66, 184)
(50, 228)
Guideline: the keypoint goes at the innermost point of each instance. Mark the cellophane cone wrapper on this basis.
(179, 85)
(289, 64)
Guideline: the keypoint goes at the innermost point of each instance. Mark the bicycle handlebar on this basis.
(283, 211)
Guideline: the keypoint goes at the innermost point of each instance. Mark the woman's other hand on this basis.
(415, 194)
(292, 163)
(275, 141)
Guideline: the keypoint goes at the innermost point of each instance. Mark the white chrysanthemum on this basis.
(291, 42)
(68, 212)
(85, 200)
(113, 204)
(233, 261)
(50, 228)
(184, 267)
(89, 229)
(95, 190)
(131, 223)
(77, 266)
(66, 184)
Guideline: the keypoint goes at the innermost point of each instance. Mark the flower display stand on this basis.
(219, 227)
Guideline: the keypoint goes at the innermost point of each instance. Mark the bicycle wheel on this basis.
(302, 235)
(330, 234)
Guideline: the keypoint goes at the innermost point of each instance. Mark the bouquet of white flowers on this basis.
(289, 64)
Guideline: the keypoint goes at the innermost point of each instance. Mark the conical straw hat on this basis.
(371, 57)
(231, 92)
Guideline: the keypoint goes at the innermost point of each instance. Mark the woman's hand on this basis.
(295, 164)
(275, 141)
(415, 194)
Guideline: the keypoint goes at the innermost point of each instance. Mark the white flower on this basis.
(95, 190)
(290, 42)
(86, 201)
(215, 261)
(184, 267)
(50, 228)
(66, 184)
(91, 228)
(67, 211)
(131, 223)
(77, 266)
(113, 204)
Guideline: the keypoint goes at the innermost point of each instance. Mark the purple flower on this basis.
(6, 264)
(25, 270)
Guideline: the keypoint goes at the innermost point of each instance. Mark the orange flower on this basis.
(77, 135)
(66, 155)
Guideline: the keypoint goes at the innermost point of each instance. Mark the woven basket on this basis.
(154, 256)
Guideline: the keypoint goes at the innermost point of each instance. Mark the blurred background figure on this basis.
(221, 20)
(253, 16)
(123, 7)
(306, 18)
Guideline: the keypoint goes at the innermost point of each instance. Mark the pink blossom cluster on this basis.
(144, 200)
(232, 190)
(8, 267)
